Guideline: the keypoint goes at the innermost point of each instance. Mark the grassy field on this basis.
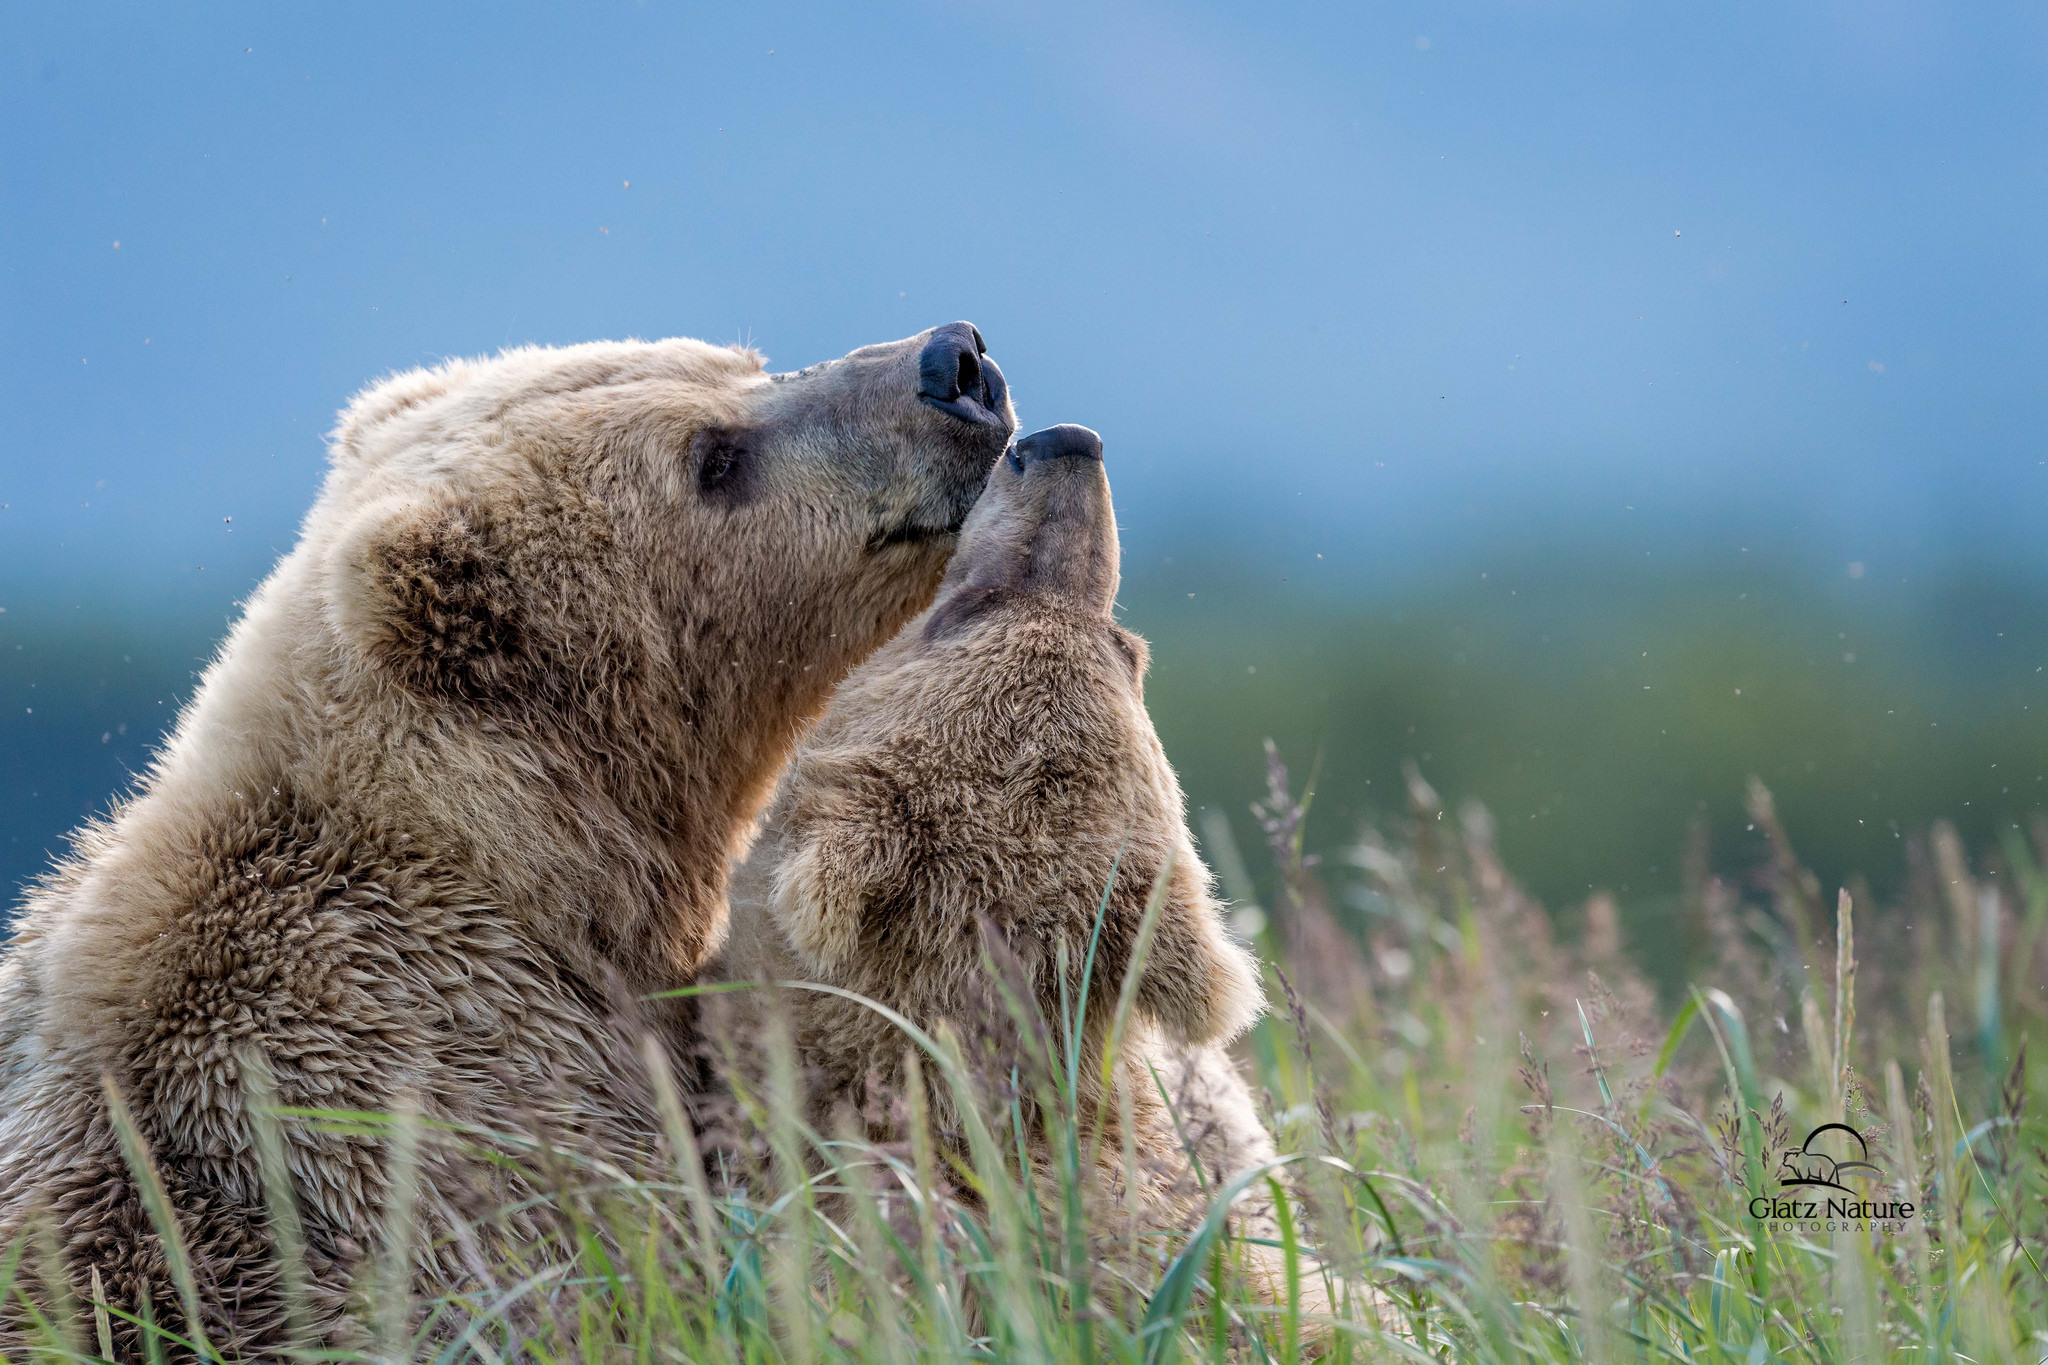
(1500, 1147)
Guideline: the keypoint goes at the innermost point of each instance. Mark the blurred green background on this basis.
(1594, 704)
(1598, 706)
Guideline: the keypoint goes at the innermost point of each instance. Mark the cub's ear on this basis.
(421, 587)
(1132, 651)
(838, 852)
(1199, 985)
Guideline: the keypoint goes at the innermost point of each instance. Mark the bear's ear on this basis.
(423, 590)
(837, 852)
(1199, 985)
(1132, 651)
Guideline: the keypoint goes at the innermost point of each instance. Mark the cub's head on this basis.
(995, 762)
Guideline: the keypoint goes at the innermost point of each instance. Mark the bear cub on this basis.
(977, 796)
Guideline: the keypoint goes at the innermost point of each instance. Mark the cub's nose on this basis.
(955, 375)
(1063, 442)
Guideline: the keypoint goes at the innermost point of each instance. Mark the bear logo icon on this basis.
(1803, 1166)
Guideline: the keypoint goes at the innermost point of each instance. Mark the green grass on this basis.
(1501, 1148)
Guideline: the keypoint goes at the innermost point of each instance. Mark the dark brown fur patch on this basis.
(962, 609)
(447, 610)
(728, 465)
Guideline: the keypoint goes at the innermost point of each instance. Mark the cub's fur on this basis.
(948, 829)
(468, 773)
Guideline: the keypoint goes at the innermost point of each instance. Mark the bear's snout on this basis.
(1063, 442)
(955, 375)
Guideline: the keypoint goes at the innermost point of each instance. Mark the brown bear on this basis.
(976, 798)
(470, 770)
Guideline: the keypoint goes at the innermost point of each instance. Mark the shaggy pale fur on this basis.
(469, 772)
(955, 817)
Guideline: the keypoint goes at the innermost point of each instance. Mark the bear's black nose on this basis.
(955, 375)
(1063, 442)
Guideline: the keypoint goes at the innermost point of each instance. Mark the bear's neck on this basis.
(601, 813)
(610, 830)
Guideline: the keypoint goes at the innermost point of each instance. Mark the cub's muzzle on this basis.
(1063, 442)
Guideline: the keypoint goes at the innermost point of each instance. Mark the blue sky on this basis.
(1409, 285)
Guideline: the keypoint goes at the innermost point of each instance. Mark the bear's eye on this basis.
(725, 465)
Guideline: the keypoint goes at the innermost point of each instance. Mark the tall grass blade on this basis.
(62, 1323)
(1845, 989)
(1076, 1020)
(161, 1216)
(1675, 1035)
(1820, 1053)
(791, 1245)
(103, 1325)
(1159, 1334)
(941, 1309)
(1134, 971)
(1990, 943)
(688, 1158)
(1290, 1253)
(1584, 1269)
(280, 1199)
(1906, 1178)
(391, 1306)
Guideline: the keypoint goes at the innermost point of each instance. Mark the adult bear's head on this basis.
(632, 571)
